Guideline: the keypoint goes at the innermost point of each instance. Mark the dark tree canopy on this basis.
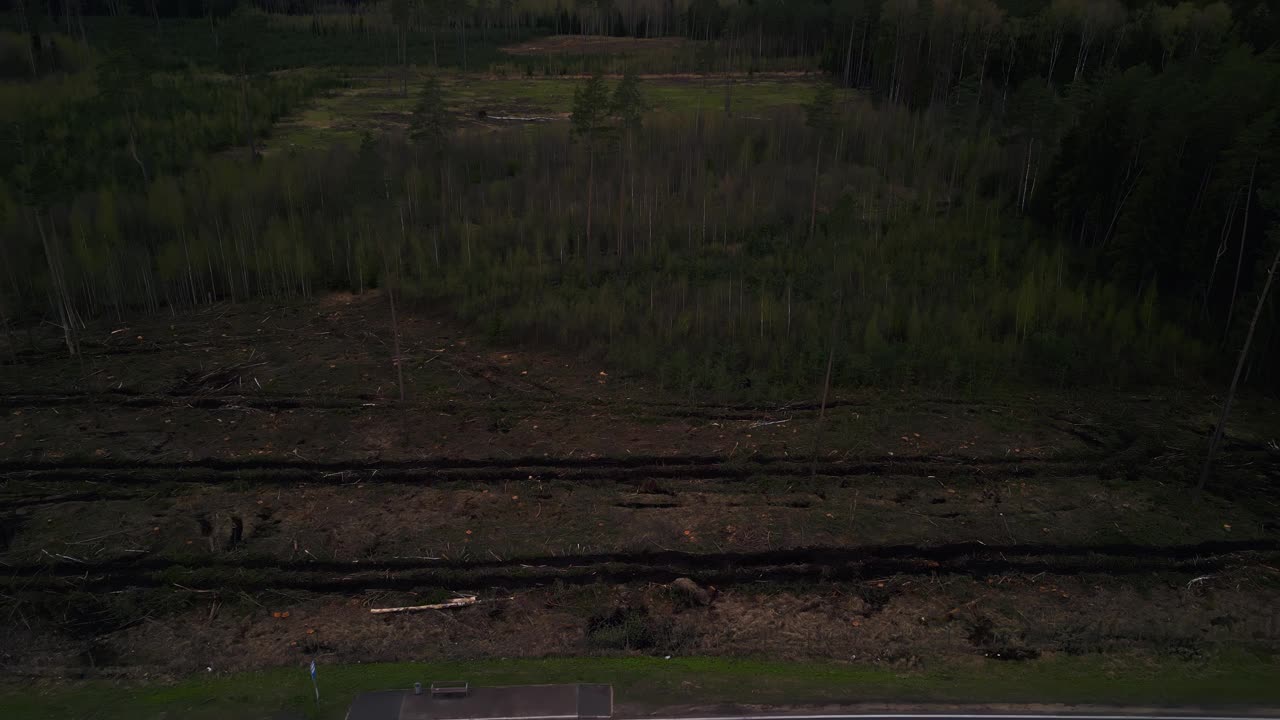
(997, 188)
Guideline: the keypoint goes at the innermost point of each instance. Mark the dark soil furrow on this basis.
(582, 475)
(216, 401)
(526, 576)
(127, 397)
(691, 561)
(481, 470)
(186, 400)
(31, 499)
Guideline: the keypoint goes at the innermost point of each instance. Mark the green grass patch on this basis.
(373, 103)
(643, 682)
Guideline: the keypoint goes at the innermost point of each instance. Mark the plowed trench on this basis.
(721, 569)
(586, 469)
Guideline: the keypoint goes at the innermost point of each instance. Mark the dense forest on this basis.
(1071, 192)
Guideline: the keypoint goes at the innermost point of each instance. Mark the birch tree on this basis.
(820, 115)
(400, 16)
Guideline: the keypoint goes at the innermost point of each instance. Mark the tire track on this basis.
(811, 565)
(703, 560)
(533, 393)
(128, 399)
(586, 470)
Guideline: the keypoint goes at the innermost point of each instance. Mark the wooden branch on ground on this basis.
(446, 605)
(514, 118)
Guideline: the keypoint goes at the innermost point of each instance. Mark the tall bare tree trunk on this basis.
(28, 37)
(1055, 47)
(397, 360)
(788, 306)
(1222, 250)
(1244, 228)
(440, 224)
(848, 55)
(1235, 379)
(813, 206)
(404, 60)
(84, 37)
(8, 336)
(591, 184)
(826, 388)
(62, 297)
(622, 197)
(133, 151)
(248, 124)
(395, 336)
(1082, 57)
(1026, 177)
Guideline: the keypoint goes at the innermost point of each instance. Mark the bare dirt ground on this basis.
(238, 487)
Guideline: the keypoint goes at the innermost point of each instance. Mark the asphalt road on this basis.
(975, 716)
(387, 706)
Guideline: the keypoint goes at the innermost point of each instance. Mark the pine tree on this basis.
(590, 120)
(628, 103)
(431, 124)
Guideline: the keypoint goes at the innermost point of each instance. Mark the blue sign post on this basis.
(314, 684)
